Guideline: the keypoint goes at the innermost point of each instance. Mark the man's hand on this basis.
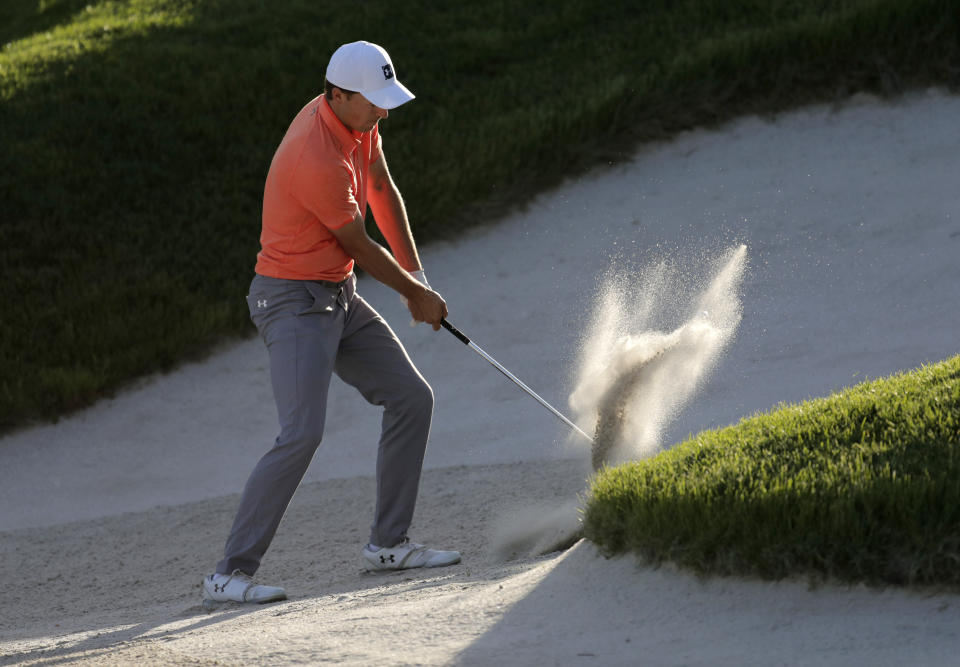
(427, 306)
(420, 277)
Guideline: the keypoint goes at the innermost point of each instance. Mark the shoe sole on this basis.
(209, 604)
(371, 567)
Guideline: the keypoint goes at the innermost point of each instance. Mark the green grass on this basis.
(863, 486)
(136, 136)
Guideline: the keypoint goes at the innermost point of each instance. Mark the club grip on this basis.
(455, 331)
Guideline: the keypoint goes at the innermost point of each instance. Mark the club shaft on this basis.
(513, 378)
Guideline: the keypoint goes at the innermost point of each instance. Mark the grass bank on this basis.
(135, 136)
(863, 486)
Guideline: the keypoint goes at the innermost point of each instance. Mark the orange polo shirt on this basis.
(317, 182)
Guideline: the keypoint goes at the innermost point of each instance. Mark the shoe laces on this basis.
(405, 542)
(238, 574)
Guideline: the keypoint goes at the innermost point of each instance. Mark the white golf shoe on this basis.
(406, 555)
(237, 587)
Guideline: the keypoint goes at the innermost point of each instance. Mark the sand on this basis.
(110, 517)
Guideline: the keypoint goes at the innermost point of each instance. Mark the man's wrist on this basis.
(412, 289)
(420, 277)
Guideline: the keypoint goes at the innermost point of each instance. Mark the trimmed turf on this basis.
(136, 136)
(862, 486)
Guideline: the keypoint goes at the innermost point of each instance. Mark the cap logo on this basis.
(387, 71)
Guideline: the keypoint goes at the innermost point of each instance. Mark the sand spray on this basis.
(656, 334)
(634, 377)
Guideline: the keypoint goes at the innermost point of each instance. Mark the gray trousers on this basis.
(313, 329)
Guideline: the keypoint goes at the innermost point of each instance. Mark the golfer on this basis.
(303, 300)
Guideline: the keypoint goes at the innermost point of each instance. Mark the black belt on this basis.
(327, 283)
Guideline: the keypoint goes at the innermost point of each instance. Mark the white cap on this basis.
(365, 68)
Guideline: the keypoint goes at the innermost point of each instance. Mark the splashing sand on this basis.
(634, 379)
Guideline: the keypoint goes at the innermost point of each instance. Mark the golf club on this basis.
(466, 341)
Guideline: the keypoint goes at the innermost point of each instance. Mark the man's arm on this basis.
(391, 215)
(425, 305)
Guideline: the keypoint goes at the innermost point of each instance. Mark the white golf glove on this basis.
(420, 276)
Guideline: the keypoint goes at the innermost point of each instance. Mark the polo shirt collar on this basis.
(349, 140)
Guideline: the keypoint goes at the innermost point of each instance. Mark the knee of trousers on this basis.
(415, 397)
(299, 441)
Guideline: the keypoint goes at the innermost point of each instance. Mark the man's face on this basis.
(356, 112)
